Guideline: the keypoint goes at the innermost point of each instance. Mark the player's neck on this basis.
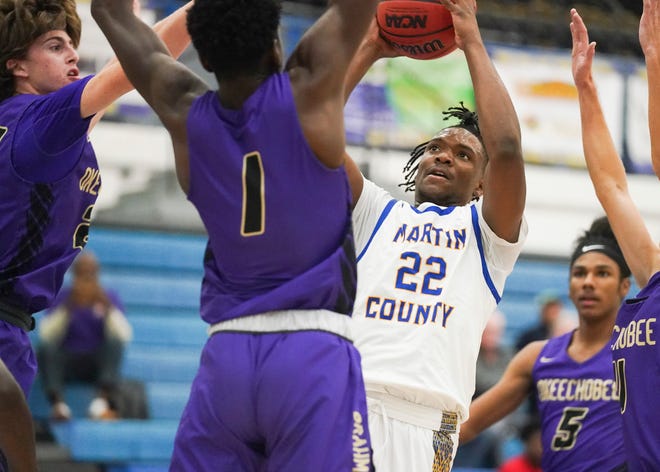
(232, 93)
(589, 339)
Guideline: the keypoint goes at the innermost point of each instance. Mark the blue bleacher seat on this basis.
(167, 399)
(166, 290)
(77, 395)
(173, 331)
(117, 441)
(148, 249)
(138, 468)
(152, 363)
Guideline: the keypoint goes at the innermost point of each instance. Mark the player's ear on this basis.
(624, 287)
(15, 66)
(278, 53)
(205, 64)
(478, 192)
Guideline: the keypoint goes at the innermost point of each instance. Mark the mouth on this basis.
(73, 74)
(436, 172)
(587, 301)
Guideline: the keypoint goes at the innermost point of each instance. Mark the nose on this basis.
(73, 56)
(443, 156)
(589, 280)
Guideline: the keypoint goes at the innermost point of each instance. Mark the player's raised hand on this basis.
(583, 51)
(376, 40)
(649, 28)
(464, 17)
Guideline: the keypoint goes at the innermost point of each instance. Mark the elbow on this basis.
(10, 394)
(506, 146)
(466, 434)
(509, 146)
(99, 9)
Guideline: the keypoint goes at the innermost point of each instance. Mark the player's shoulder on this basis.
(526, 358)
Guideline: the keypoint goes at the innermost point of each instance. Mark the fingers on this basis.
(579, 32)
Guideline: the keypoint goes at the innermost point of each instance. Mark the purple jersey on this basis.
(49, 181)
(636, 356)
(578, 405)
(278, 220)
(86, 329)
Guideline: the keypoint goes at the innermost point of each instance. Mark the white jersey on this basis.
(428, 279)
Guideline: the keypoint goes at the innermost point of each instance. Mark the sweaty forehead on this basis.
(459, 135)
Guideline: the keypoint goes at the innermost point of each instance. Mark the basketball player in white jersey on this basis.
(430, 274)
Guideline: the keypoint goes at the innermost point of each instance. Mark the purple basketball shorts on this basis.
(277, 402)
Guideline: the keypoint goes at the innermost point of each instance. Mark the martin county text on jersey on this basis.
(420, 273)
(430, 234)
(402, 311)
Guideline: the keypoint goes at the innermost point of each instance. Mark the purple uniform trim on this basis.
(636, 354)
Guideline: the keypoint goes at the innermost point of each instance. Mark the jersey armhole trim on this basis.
(379, 223)
(480, 245)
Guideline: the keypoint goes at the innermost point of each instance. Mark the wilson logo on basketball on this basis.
(413, 50)
(406, 21)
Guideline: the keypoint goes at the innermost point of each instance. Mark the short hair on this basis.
(232, 36)
(600, 238)
(467, 119)
(23, 21)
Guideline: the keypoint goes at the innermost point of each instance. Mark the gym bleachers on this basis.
(158, 277)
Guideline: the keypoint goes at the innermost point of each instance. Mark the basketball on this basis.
(420, 29)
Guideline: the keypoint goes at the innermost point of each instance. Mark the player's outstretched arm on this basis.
(504, 182)
(372, 48)
(604, 164)
(111, 82)
(649, 39)
(505, 396)
(16, 432)
(317, 68)
(167, 85)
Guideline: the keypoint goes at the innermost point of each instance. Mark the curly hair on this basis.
(467, 119)
(23, 21)
(600, 237)
(232, 36)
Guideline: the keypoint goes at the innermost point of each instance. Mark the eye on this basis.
(463, 155)
(577, 274)
(433, 147)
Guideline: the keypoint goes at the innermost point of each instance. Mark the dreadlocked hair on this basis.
(410, 169)
(467, 119)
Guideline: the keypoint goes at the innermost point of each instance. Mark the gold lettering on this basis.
(570, 390)
(630, 335)
(598, 389)
(361, 455)
(638, 335)
(561, 389)
(649, 331)
(90, 181)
